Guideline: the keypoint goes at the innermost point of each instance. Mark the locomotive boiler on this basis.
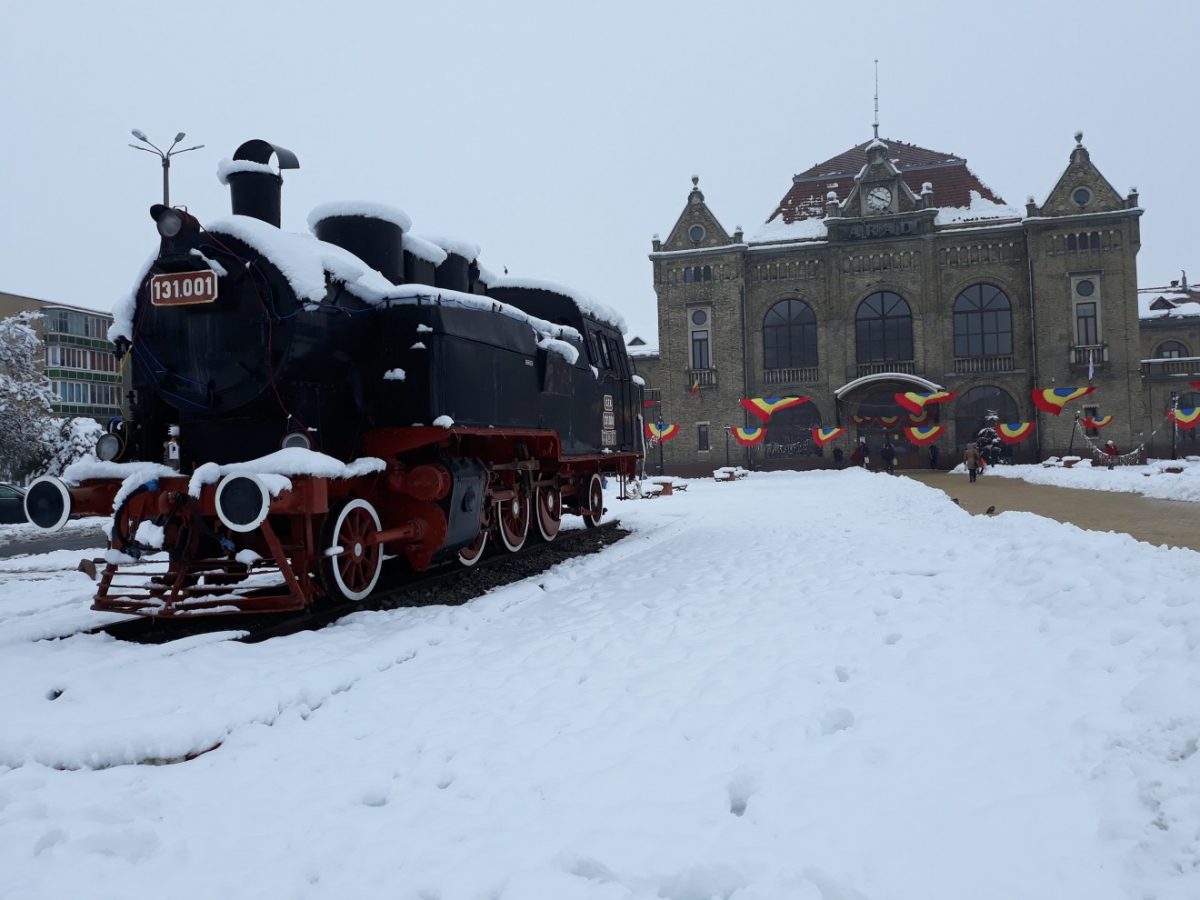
(304, 406)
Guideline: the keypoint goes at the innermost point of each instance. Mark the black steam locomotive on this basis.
(304, 405)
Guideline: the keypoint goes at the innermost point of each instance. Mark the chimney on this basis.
(372, 232)
(254, 187)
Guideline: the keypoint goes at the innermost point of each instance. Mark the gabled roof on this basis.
(1170, 302)
(951, 179)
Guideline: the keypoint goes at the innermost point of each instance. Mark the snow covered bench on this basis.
(729, 473)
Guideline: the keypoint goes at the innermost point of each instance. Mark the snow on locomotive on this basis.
(305, 405)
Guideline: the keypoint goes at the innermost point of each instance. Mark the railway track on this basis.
(449, 585)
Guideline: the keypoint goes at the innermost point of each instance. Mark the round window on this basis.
(699, 317)
(1085, 288)
(696, 233)
(1082, 196)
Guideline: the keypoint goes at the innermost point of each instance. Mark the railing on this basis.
(974, 364)
(804, 375)
(706, 378)
(1083, 354)
(1165, 368)
(653, 395)
(904, 367)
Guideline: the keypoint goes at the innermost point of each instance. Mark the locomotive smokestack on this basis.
(371, 231)
(254, 187)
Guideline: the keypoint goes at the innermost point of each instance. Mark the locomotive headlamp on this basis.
(109, 446)
(48, 503)
(242, 502)
(168, 220)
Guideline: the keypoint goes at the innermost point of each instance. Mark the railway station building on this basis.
(889, 268)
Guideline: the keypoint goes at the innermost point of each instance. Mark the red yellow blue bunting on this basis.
(1194, 385)
(888, 421)
(861, 420)
(822, 436)
(1014, 432)
(764, 406)
(1096, 423)
(920, 435)
(1052, 400)
(915, 401)
(748, 437)
(919, 418)
(1186, 419)
(663, 433)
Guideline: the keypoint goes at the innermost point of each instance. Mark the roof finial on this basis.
(1079, 139)
(876, 123)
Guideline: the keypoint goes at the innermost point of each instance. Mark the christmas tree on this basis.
(987, 440)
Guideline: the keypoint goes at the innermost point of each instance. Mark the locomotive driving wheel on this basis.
(594, 498)
(512, 519)
(352, 561)
(473, 552)
(549, 512)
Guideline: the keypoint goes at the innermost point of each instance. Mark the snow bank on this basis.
(1150, 480)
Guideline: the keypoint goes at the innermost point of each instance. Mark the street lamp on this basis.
(1174, 424)
(727, 427)
(164, 156)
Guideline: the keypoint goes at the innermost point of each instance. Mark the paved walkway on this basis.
(1172, 522)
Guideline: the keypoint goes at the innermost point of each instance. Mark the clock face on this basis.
(879, 199)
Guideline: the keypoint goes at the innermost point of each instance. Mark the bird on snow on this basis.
(955, 499)
(990, 511)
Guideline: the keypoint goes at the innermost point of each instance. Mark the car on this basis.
(12, 504)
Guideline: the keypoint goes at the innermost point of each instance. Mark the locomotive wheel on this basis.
(595, 501)
(473, 552)
(549, 512)
(353, 572)
(512, 520)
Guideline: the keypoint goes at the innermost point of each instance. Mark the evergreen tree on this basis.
(25, 396)
(987, 440)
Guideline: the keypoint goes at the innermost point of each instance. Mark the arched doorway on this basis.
(789, 433)
(972, 409)
(868, 409)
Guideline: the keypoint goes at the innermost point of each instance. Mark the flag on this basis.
(661, 431)
(648, 403)
(822, 436)
(888, 421)
(1096, 423)
(764, 406)
(1091, 363)
(919, 418)
(748, 437)
(1186, 419)
(1014, 432)
(915, 401)
(1052, 400)
(919, 435)
(1194, 385)
(695, 388)
(861, 420)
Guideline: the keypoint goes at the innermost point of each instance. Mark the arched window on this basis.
(883, 328)
(1072, 242)
(973, 407)
(687, 275)
(708, 273)
(982, 322)
(1171, 350)
(789, 336)
(1094, 240)
(790, 433)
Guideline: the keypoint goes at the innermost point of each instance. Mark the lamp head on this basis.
(140, 135)
(179, 137)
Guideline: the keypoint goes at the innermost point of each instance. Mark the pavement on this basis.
(46, 543)
(1175, 523)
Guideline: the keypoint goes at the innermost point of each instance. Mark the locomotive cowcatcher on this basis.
(307, 406)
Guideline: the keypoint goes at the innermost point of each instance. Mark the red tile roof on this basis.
(951, 179)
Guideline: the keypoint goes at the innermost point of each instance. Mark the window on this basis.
(1087, 332)
(1093, 413)
(1072, 242)
(1082, 196)
(700, 350)
(687, 274)
(1094, 240)
(708, 273)
(973, 407)
(883, 328)
(602, 357)
(789, 336)
(1171, 350)
(982, 322)
(700, 317)
(1085, 287)
(696, 233)
(702, 437)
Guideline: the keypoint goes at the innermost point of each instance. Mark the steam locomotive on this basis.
(304, 406)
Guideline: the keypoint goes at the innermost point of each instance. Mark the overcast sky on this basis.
(561, 139)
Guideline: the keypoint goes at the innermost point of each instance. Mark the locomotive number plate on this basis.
(183, 288)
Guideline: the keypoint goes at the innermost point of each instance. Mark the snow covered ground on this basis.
(819, 686)
(1150, 480)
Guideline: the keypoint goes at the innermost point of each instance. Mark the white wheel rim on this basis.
(596, 491)
(469, 561)
(511, 546)
(557, 504)
(358, 549)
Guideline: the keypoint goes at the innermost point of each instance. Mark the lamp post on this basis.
(164, 156)
(661, 427)
(727, 427)
(1174, 423)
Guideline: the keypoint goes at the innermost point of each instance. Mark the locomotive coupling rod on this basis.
(410, 531)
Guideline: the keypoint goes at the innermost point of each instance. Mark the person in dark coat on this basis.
(889, 457)
(933, 456)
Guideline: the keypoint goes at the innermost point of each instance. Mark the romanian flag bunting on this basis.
(648, 403)
(1186, 419)
(1194, 385)
(1052, 400)
(915, 401)
(1014, 432)
(661, 431)
(861, 420)
(919, 418)
(822, 436)
(764, 406)
(748, 437)
(920, 435)
(1096, 423)
(888, 421)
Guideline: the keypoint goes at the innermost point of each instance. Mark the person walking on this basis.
(889, 456)
(971, 460)
(1110, 450)
(934, 452)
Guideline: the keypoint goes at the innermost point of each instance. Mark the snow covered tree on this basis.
(987, 440)
(25, 395)
(66, 440)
